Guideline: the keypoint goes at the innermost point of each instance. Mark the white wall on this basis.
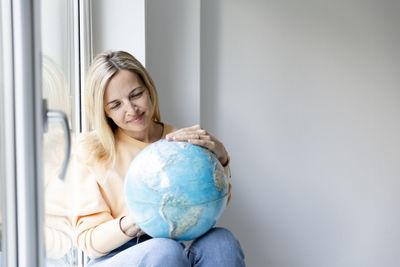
(173, 58)
(306, 97)
(119, 25)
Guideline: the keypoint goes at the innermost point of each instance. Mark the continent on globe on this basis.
(179, 215)
(176, 190)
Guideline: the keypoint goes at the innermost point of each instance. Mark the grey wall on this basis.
(119, 25)
(306, 97)
(173, 58)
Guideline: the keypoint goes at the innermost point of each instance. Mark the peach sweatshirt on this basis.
(57, 224)
(99, 203)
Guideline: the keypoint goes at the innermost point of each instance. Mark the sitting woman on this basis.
(123, 111)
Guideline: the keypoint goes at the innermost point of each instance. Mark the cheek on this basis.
(114, 116)
(119, 116)
(149, 104)
(109, 114)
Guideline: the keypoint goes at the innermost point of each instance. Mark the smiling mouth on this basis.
(137, 118)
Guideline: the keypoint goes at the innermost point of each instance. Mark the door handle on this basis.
(58, 116)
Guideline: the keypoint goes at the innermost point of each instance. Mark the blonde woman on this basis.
(123, 111)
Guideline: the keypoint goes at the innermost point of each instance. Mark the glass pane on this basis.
(1, 143)
(58, 89)
(2, 139)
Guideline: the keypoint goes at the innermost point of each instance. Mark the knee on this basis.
(219, 239)
(218, 246)
(222, 236)
(222, 232)
(166, 246)
(164, 252)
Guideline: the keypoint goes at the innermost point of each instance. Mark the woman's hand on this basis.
(128, 227)
(198, 136)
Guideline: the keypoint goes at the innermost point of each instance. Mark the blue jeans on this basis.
(218, 247)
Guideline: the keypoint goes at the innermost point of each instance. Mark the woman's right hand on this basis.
(129, 227)
(198, 136)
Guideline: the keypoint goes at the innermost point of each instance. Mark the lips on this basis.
(136, 118)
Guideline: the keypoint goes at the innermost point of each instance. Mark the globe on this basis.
(176, 190)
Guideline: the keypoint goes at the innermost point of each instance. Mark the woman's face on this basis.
(127, 102)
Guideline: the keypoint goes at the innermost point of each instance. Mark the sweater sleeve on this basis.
(97, 231)
(58, 236)
(58, 231)
(57, 222)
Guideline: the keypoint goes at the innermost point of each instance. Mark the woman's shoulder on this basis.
(89, 149)
(86, 141)
(168, 129)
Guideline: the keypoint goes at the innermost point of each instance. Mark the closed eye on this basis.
(115, 105)
(133, 96)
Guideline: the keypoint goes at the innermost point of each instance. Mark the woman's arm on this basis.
(97, 241)
(97, 231)
(58, 236)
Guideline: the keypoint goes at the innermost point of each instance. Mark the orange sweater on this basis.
(99, 200)
(58, 229)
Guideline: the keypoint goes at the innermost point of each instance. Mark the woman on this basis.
(123, 111)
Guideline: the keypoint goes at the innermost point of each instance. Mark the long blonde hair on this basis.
(54, 86)
(101, 71)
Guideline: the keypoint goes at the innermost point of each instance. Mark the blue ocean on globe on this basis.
(176, 190)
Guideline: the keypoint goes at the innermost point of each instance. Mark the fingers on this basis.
(128, 226)
(193, 128)
(184, 134)
(196, 135)
(209, 144)
(189, 136)
(140, 233)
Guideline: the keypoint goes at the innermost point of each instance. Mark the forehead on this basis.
(121, 84)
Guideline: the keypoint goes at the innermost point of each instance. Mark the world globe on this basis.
(176, 190)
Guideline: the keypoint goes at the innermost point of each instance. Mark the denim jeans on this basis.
(217, 248)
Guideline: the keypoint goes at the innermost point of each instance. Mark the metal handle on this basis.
(58, 116)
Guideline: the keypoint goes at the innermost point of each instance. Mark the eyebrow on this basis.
(115, 100)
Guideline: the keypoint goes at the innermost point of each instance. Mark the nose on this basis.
(130, 108)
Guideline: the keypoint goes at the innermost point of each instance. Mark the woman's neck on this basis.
(152, 134)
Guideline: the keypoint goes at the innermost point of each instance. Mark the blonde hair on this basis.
(101, 71)
(55, 90)
(54, 86)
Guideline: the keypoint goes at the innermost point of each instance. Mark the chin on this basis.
(139, 126)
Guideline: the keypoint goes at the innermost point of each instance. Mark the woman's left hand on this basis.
(198, 136)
